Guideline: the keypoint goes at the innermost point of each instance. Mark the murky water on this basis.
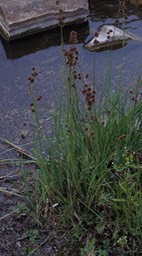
(43, 51)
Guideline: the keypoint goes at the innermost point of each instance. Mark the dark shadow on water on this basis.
(103, 9)
(31, 44)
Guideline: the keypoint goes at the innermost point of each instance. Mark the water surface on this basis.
(43, 51)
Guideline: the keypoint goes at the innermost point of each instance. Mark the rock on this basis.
(22, 17)
(109, 36)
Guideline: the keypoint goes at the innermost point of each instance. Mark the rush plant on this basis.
(91, 175)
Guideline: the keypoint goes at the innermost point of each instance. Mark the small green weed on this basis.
(32, 234)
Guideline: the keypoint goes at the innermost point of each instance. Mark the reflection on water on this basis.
(43, 40)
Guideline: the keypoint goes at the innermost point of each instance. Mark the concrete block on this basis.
(23, 17)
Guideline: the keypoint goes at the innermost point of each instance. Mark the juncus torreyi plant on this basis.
(92, 170)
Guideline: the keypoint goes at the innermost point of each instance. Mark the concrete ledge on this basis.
(23, 17)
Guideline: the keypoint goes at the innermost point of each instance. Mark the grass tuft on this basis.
(91, 176)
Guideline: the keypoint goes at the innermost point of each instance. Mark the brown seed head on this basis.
(90, 134)
(39, 98)
(84, 91)
(57, 2)
(96, 34)
(96, 41)
(73, 37)
(122, 137)
(86, 128)
(32, 80)
(91, 118)
(117, 22)
(23, 136)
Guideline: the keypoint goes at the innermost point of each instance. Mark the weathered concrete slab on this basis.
(23, 17)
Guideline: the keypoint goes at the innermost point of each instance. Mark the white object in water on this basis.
(108, 35)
